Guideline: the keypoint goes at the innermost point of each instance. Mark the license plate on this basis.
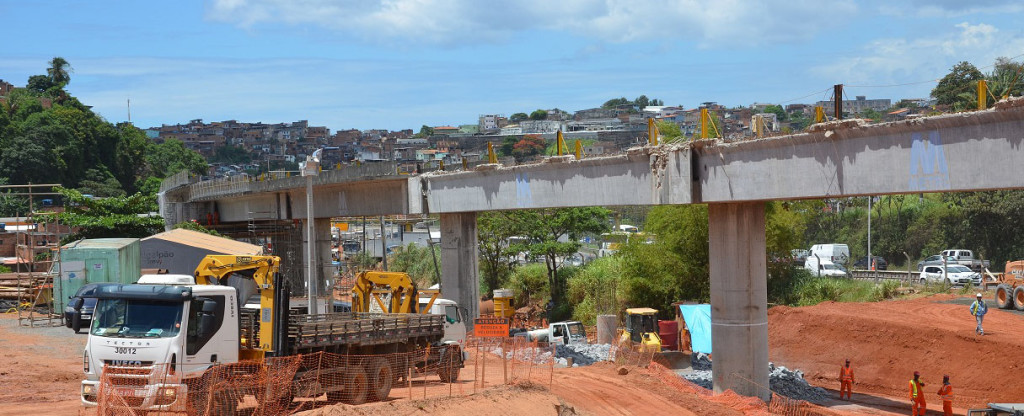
(126, 392)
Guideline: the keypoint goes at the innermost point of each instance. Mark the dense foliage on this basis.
(114, 217)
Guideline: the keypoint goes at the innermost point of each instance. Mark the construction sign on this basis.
(490, 327)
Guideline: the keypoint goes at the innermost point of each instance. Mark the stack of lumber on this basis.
(23, 286)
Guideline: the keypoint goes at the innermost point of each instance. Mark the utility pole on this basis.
(383, 245)
(310, 169)
(837, 92)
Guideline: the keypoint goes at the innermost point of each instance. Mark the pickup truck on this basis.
(561, 333)
(966, 258)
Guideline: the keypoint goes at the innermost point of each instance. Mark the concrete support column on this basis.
(322, 252)
(739, 298)
(459, 280)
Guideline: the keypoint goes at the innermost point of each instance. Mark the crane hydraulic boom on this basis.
(404, 295)
(263, 270)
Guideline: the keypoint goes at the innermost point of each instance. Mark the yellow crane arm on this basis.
(261, 269)
(404, 296)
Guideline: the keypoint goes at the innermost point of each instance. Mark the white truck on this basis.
(560, 333)
(966, 258)
(823, 268)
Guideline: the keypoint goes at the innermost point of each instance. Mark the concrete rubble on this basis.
(789, 383)
(582, 354)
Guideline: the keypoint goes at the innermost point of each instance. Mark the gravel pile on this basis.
(700, 362)
(582, 354)
(782, 381)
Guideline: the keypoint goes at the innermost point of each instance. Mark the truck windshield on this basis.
(577, 330)
(127, 318)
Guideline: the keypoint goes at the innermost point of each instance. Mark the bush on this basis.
(887, 290)
(530, 283)
(815, 291)
(594, 290)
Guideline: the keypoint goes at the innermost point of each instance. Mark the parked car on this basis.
(955, 275)
(824, 268)
(862, 263)
(81, 307)
(966, 258)
(935, 260)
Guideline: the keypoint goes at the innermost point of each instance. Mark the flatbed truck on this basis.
(165, 340)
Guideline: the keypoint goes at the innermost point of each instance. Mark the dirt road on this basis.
(888, 341)
(40, 369)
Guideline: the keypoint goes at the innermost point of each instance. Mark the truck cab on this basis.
(559, 333)
(167, 319)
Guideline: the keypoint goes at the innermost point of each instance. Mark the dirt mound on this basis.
(887, 341)
(526, 400)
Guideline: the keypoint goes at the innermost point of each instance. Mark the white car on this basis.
(824, 269)
(956, 275)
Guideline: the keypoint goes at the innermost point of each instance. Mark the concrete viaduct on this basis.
(959, 152)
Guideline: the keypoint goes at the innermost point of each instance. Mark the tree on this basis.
(195, 226)
(418, 262)
(616, 103)
(496, 259)
(529, 146)
(780, 113)
(425, 131)
(100, 183)
(507, 146)
(871, 114)
(231, 154)
(39, 84)
(962, 78)
(642, 101)
(1006, 79)
(539, 114)
(669, 131)
(58, 71)
(517, 117)
(171, 156)
(114, 217)
(554, 233)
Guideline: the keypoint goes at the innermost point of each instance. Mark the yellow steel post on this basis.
(703, 123)
(465, 163)
(559, 142)
(442, 165)
(819, 114)
(652, 132)
(579, 149)
(982, 94)
(491, 157)
(759, 126)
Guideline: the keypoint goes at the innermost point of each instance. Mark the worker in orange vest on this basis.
(946, 393)
(917, 403)
(846, 380)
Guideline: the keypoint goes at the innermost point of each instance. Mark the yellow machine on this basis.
(263, 271)
(641, 329)
(370, 285)
(503, 303)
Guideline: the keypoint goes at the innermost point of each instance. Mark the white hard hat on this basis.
(979, 295)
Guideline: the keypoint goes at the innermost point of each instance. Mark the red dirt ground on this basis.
(887, 341)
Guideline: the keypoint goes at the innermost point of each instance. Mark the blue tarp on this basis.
(698, 322)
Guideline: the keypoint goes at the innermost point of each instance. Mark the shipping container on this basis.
(95, 260)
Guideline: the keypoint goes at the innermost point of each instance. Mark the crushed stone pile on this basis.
(582, 354)
(789, 383)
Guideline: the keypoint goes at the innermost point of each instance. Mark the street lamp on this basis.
(311, 168)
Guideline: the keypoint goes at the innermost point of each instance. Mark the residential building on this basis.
(858, 105)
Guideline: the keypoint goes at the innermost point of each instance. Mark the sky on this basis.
(397, 64)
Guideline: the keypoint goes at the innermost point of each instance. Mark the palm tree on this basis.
(58, 71)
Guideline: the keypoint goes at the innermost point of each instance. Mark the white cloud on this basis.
(721, 23)
(893, 61)
(949, 8)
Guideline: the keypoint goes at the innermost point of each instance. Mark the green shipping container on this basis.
(95, 260)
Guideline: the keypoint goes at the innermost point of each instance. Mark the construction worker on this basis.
(979, 309)
(918, 406)
(946, 393)
(846, 380)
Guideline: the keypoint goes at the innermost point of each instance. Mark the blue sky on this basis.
(398, 64)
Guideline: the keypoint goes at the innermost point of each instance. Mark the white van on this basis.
(835, 253)
(824, 268)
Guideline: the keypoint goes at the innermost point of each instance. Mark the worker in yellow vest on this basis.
(918, 406)
(846, 380)
(946, 393)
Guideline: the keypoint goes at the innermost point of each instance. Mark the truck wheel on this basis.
(356, 387)
(1018, 298)
(1003, 297)
(381, 377)
(451, 363)
(924, 281)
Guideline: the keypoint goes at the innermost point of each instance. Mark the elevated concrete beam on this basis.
(381, 197)
(958, 152)
(564, 182)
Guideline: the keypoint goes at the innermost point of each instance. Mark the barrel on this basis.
(607, 326)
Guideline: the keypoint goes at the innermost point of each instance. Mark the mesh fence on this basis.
(286, 385)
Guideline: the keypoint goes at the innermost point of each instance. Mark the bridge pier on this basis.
(322, 252)
(459, 280)
(739, 298)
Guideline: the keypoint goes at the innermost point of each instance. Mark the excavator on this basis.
(395, 292)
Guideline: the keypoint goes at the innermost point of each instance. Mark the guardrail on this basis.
(885, 275)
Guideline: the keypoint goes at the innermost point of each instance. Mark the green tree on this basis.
(552, 234)
(871, 114)
(114, 217)
(39, 84)
(418, 262)
(669, 131)
(539, 114)
(508, 144)
(231, 154)
(1006, 79)
(195, 226)
(642, 101)
(496, 259)
(58, 72)
(780, 113)
(100, 183)
(170, 157)
(425, 131)
(616, 103)
(517, 117)
(962, 79)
